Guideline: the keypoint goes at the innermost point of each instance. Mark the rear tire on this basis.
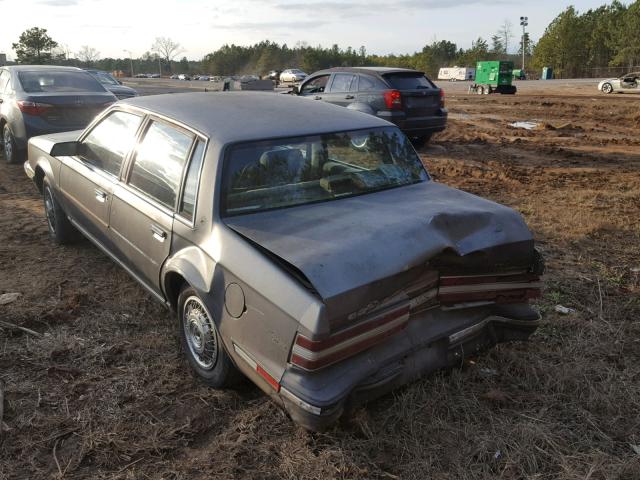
(11, 152)
(61, 231)
(421, 141)
(202, 343)
(480, 90)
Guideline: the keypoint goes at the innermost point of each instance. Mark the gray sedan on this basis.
(301, 244)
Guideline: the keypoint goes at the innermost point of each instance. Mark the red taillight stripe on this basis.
(258, 368)
(480, 279)
(318, 345)
(502, 296)
(309, 364)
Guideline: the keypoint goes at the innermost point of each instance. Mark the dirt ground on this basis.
(103, 392)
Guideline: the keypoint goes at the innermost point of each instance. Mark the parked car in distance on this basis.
(141, 75)
(113, 85)
(204, 78)
(35, 100)
(174, 76)
(313, 254)
(292, 75)
(406, 98)
(629, 83)
(184, 76)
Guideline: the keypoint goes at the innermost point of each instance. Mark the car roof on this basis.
(22, 68)
(369, 70)
(228, 117)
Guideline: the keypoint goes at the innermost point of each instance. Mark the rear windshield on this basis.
(48, 81)
(286, 172)
(408, 81)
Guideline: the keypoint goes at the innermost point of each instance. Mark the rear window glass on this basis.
(408, 81)
(48, 81)
(286, 172)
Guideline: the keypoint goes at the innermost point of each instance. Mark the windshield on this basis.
(281, 173)
(104, 78)
(52, 81)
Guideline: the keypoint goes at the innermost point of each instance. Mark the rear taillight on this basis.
(441, 98)
(509, 288)
(33, 108)
(316, 354)
(393, 99)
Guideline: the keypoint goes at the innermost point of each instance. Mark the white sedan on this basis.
(628, 83)
(292, 75)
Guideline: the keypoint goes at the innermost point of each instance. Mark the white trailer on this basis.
(454, 74)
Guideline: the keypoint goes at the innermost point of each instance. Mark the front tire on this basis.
(61, 231)
(202, 343)
(607, 88)
(11, 152)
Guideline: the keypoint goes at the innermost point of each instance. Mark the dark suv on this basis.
(404, 97)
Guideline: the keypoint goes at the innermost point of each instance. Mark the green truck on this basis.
(493, 77)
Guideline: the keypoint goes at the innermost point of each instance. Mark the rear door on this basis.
(342, 90)
(142, 211)
(87, 181)
(420, 97)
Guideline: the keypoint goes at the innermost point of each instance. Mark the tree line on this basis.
(593, 43)
(596, 43)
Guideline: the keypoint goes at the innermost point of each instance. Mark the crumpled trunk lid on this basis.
(357, 251)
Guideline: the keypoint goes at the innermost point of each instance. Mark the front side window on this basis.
(317, 85)
(58, 81)
(262, 176)
(344, 83)
(159, 161)
(110, 140)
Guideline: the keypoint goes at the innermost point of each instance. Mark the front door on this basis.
(142, 209)
(87, 181)
(342, 90)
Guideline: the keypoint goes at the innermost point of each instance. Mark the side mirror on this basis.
(65, 149)
(295, 90)
(119, 81)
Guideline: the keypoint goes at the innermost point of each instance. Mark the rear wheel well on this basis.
(39, 179)
(173, 284)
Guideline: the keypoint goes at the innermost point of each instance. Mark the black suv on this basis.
(404, 97)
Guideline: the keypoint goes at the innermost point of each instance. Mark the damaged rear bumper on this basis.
(315, 400)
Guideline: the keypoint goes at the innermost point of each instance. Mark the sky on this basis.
(115, 27)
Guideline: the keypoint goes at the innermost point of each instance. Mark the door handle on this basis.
(349, 97)
(158, 233)
(317, 97)
(100, 195)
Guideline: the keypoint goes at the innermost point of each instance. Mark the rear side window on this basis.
(188, 204)
(159, 161)
(110, 140)
(369, 84)
(61, 81)
(408, 81)
(344, 83)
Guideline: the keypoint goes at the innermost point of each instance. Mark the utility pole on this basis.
(524, 21)
(131, 60)
(159, 66)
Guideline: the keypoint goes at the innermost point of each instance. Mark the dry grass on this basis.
(105, 393)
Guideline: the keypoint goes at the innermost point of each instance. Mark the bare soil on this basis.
(103, 390)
